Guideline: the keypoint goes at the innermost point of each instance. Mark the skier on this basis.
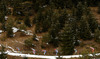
(92, 49)
(18, 49)
(33, 51)
(75, 51)
(56, 51)
(92, 52)
(44, 51)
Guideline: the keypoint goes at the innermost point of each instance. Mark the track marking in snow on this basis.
(12, 49)
(18, 42)
(9, 48)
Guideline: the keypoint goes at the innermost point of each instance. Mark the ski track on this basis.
(18, 42)
(9, 48)
(44, 56)
(14, 53)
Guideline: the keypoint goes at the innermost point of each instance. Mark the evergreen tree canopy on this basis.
(85, 32)
(67, 44)
(27, 21)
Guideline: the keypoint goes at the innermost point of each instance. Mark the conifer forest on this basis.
(49, 28)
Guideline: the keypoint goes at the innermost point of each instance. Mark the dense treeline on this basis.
(39, 4)
(66, 26)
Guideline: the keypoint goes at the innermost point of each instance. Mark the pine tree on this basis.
(67, 45)
(27, 21)
(99, 8)
(92, 23)
(45, 23)
(9, 29)
(46, 38)
(36, 5)
(3, 26)
(75, 26)
(97, 35)
(79, 11)
(68, 3)
(34, 36)
(37, 28)
(63, 17)
(28, 43)
(53, 32)
(2, 17)
(52, 36)
(90, 18)
(75, 30)
(86, 9)
(73, 12)
(3, 55)
(9, 32)
(85, 32)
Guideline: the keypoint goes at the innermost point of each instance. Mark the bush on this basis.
(9, 32)
(85, 54)
(9, 26)
(19, 18)
(46, 38)
(3, 27)
(43, 47)
(1, 17)
(27, 21)
(3, 38)
(25, 58)
(97, 35)
(82, 44)
(22, 27)
(77, 43)
(38, 29)
(28, 43)
(22, 34)
(34, 37)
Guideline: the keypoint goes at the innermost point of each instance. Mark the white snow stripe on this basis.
(47, 57)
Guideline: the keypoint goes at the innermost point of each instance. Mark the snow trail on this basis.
(44, 56)
(15, 53)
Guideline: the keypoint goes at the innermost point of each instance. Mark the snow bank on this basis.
(15, 29)
(29, 32)
(39, 36)
(37, 39)
(1, 31)
(43, 56)
(31, 56)
(11, 49)
(6, 17)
